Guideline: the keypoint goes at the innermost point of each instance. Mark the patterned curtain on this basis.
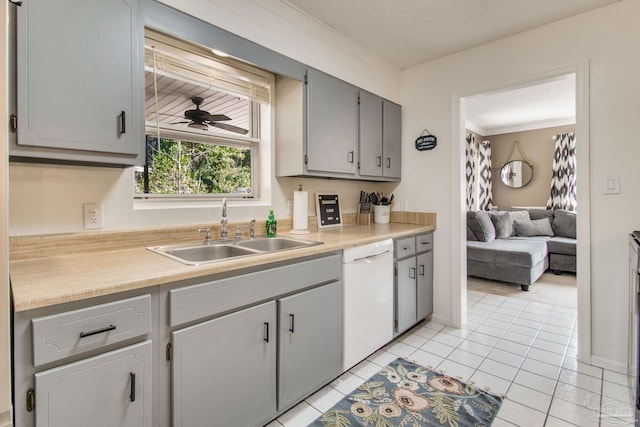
(478, 174)
(485, 202)
(563, 181)
(470, 172)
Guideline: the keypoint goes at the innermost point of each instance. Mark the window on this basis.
(202, 116)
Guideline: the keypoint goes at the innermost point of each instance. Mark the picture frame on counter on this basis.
(328, 210)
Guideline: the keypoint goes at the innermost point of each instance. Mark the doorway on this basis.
(458, 265)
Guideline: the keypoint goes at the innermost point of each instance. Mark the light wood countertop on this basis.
(41, 281)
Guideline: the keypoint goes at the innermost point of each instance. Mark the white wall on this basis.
(607, 38)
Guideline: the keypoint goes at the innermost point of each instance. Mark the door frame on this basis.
(458, 254)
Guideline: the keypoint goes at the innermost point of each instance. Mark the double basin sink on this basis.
(225, 249)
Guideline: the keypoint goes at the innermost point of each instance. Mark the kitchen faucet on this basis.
(224, 220)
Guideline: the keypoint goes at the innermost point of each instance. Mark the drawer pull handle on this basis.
(379, 161)
(291, 322)
(123, 122)
(266, 331)
(421, 270)
(132, 395)
(97, 331)
(412, 273)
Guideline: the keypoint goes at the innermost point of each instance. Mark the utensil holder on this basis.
(381, 214)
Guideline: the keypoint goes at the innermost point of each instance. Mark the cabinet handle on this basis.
(132, 394)
(421, 269)
(291, 322)
(350, 156)
(266, 331)
(123, 128)
(379, 161)
(388, 162)
(412, 273)
(98, 331)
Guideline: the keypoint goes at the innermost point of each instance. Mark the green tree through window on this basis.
(183, 167)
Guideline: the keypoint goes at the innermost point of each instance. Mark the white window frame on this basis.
(254, 142)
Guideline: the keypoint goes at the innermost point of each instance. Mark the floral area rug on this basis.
(406, 394)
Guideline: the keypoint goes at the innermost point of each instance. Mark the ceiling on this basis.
(411, 32)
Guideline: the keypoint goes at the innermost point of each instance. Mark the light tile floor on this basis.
(526, 350)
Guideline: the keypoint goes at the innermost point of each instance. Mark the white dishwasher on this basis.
(367, 273)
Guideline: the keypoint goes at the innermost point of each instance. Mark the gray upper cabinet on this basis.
(370, 134)
(328, 128)
(391, 139)
(332, 124)
(80, 81)
(380, 127)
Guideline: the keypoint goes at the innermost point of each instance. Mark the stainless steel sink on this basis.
(274, 244)
(226, 249)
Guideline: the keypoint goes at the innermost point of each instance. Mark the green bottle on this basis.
(271, 225)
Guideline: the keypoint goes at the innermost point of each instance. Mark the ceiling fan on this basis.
(200, 119)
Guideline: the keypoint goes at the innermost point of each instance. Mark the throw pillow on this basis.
(564, 223)
(471, 237)
(536, 227)
(481, 225)
(503, 224)
(520, 216)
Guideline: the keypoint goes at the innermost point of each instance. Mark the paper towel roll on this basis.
(300, 212)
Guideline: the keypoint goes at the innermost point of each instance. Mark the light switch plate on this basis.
(93, 216)
(612, 185)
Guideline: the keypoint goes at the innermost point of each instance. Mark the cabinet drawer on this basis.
(424, 243)
(405, 247)
(74, 332)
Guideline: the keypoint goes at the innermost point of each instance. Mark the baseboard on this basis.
(612, 365)
(6, 418)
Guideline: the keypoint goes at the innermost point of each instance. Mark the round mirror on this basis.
(516, 173)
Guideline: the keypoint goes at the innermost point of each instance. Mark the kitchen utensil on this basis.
(373, 198)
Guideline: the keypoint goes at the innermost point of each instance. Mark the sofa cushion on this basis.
(535, 227)
(503, 224)
(480, 224)
(506, 252)
(540, 213)
(564, 223)
(562, 245)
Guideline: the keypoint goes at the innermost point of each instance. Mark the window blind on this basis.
(206, 71)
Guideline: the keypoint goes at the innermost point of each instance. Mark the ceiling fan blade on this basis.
(179, 123)
(230, 128)
(218, 118)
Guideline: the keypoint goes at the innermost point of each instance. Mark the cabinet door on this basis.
(425, 284)
(391, 140)
(113, 389)
(370, 148)
(309, 342)
(406, 294)
(332, 132)
(80, 77)
(224, 370)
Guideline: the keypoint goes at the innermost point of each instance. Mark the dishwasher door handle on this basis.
(370, 257)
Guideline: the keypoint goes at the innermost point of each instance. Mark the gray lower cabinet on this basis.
(246, 347)
(86, 363)
(413, 280)
(309, 342)
(112, 389)
(224, 370)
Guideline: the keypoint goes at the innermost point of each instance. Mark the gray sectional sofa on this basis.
(518, 245)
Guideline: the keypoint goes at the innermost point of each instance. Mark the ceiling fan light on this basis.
(200, 126)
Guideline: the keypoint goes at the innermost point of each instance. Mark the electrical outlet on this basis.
(93, 216)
